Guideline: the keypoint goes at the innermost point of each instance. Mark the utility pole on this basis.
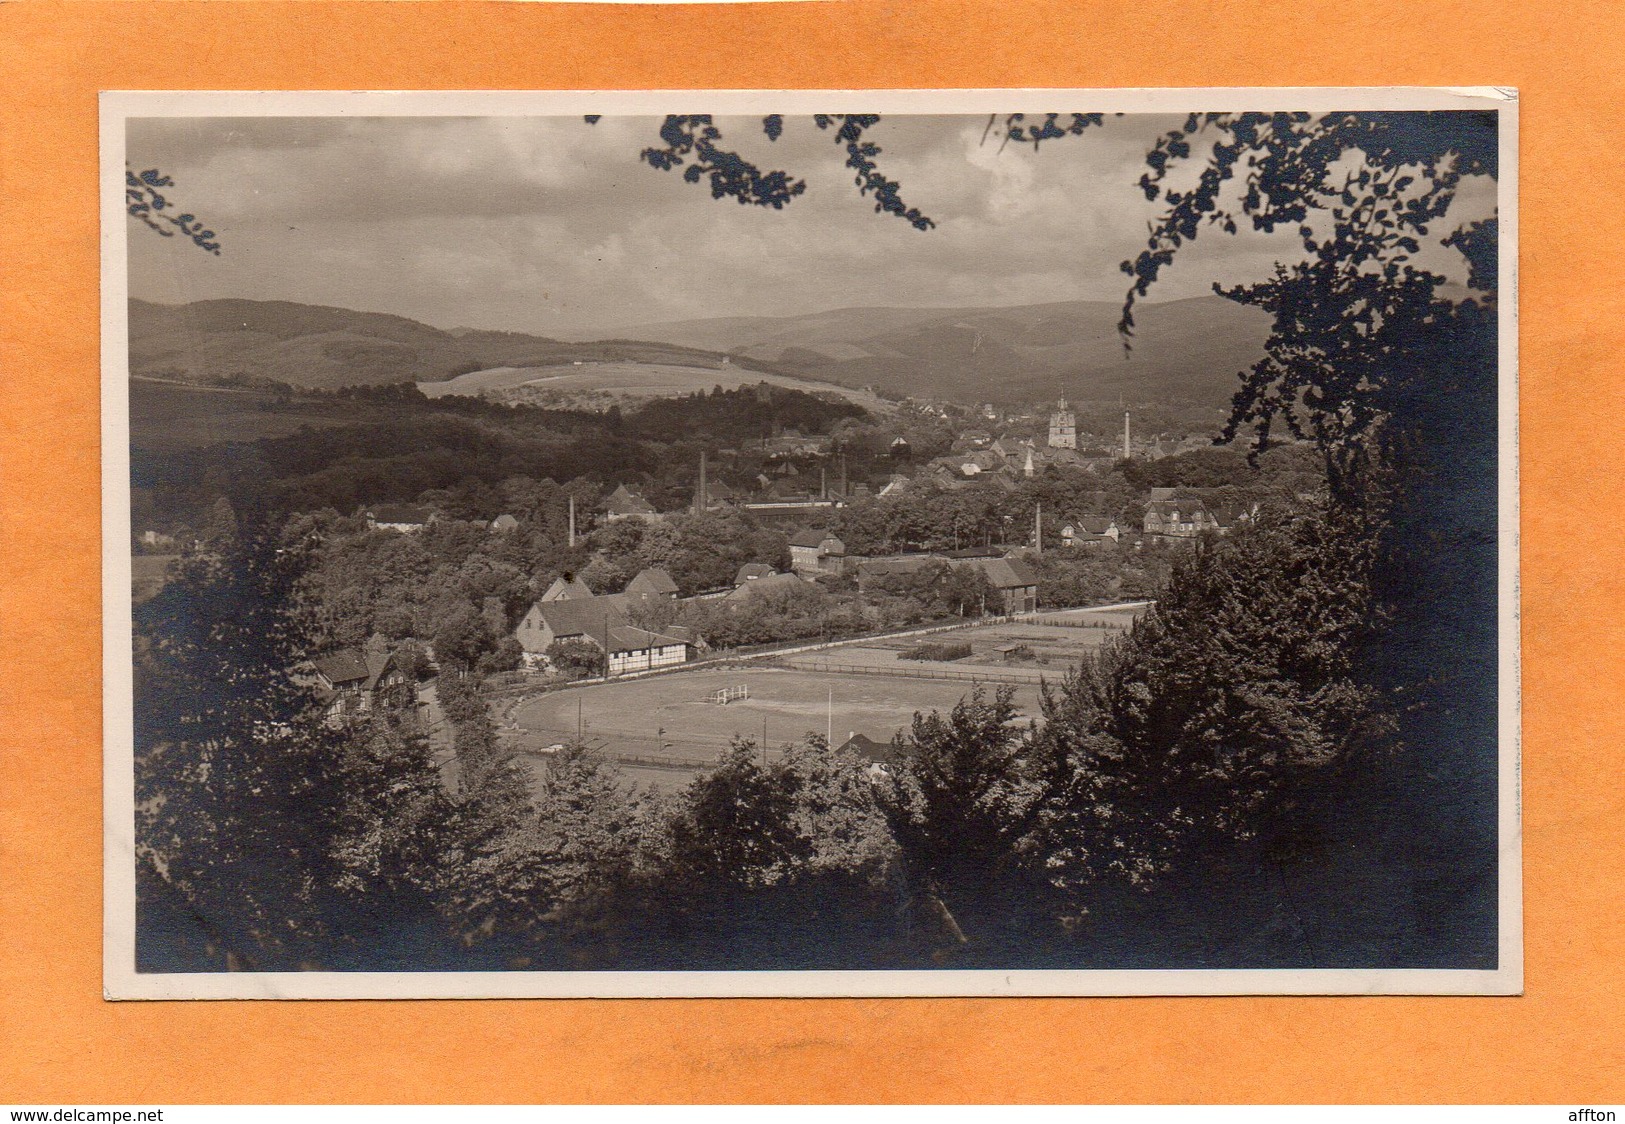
(1128, 453)
(829, 722)
(572, 522)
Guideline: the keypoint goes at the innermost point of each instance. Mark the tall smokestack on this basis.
(823, 483)
(572, 522)
(701, 493)
(1127, 452)
(1038, 529)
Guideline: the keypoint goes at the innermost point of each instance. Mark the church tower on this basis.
(1063, 428)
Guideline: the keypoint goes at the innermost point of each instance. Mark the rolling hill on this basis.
(314, 346)
(1189, 349)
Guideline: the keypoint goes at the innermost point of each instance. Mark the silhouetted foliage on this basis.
(957, 806)
(737, 824)
(293, 843)
(1395, 383)
(153, 208)
(1363, 189)
(733, 176)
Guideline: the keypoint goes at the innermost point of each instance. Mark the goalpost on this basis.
(729, 694)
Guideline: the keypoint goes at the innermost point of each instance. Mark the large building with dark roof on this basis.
(567, 587)
(602, 622)
(813, 552)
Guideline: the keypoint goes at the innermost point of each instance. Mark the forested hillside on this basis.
(390, 444)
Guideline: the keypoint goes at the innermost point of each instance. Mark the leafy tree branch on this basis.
(153, 208)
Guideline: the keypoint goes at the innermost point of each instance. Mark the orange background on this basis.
(1562, 1042)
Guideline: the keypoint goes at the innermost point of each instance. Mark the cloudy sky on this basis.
(552, 226)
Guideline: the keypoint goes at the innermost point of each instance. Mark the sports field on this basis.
(670, 717)
(666, 729)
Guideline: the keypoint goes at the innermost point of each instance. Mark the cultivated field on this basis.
(1053, 643)
(627, 380)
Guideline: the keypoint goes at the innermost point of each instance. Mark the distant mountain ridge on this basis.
(1188, 350)
(318, 346)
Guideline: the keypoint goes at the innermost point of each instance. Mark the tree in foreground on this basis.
(1391, 376)
(737, 824)
(958, 807)
(1177, 761)
(269, 839)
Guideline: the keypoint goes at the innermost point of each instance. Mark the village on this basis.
(809, 612)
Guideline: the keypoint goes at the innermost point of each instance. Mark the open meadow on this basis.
(627, 379)
(171, 415)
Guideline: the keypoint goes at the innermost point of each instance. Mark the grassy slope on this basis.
(175, 416)
(633, 380)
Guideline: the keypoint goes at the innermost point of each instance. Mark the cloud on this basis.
(549, 224)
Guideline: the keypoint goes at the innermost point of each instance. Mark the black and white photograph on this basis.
(1004, 542)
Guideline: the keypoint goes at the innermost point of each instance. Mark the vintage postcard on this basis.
(1002, 542)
